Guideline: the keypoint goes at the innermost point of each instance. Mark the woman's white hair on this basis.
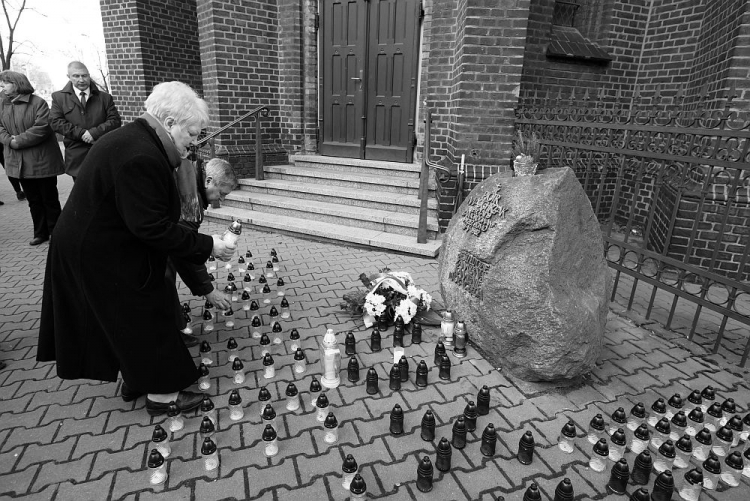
(179, 101)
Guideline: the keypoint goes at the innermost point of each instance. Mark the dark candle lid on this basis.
(679, 419)
(235, 398)
(715, 410)
(712, 464)
(267, 360)
(155, 459)
(299, 354)
(205, 347)
(663, 426)
(349, 465)
(696, 415)
(597, 422)
(619, 416)
(685, 444)
(202, 370)
(269, 434)
(642, 432)
(704, 437)
(159, 435)
(618, 437)
(639, 410)
(734, 460)
(207, 426)
(569, 430)
(315, 385)
(601, 448)
(248, 254)
(294, 334)
(659, 406)
(245, 295)
(695, 397)
(247, 278)
(237, 365)
(322, 401)
(358, 485)
(207, 404)
(708, 393)
(331, 421)
(173, 409)
(667, 449)
(291, 390)
(268, 413)
(675, 401)
(241, 260)
(729, 406)
(264, 394)
(284, 303)
(208, 447)
(735, 423)
(724, 434)
(694, 476)
(230, 277)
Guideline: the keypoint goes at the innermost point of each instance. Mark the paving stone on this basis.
(97, 489)
(57, 452)
(53, 473)
(313, 466)
(91, 443)
(232, 487)
(520, 414)
(43, 390)
(259, 479)
(315, 490)
(38, 435)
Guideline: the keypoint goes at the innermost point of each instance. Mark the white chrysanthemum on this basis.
(413, 291)
(406, 309)
(374, 304)
(404, 276)
(426, 300)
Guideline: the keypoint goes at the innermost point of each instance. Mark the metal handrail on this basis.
(258, 112)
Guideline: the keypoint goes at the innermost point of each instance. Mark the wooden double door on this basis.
(368, 78)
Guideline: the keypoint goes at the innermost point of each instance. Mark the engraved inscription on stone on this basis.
(469, 273)
(478, 217)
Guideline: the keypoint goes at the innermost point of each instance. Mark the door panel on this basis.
(369, 58)
(343, 44)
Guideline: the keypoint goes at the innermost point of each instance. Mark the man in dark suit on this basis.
(81, 113)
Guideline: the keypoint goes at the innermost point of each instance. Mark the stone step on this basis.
(319, 230)
(345, 196)
(345, 215)
(345, 179)
(372, 167)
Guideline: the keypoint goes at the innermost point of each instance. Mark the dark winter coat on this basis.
(69, 119)
(38, 154)
(106, 305)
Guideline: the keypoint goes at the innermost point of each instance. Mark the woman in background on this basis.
(31, 152)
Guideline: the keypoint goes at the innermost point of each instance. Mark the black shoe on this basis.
(2, 203)
(189, 340)
(21, 195)
(127, 394)
(186, 401)
(38, 240)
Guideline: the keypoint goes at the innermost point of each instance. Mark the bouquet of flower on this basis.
(390, 293)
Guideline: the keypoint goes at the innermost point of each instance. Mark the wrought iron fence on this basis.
(671, 189)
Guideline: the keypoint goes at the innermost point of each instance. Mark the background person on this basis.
(106, 305)
(31, 151)
(81, 113)
(199, 186)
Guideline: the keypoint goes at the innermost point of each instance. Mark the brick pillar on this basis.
(473, 62)
(148, 42)
(240, 57)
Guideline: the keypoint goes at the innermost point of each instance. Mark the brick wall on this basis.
(124, 56)
(149, 42)
(471, 77)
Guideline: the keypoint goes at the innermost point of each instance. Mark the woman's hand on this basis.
(218, 299)
(221, 250)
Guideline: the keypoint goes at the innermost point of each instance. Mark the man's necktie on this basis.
(83, 100)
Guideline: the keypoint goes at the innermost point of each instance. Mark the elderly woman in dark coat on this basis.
(106, 304)
(31, 151)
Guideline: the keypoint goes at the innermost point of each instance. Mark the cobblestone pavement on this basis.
(78, 440)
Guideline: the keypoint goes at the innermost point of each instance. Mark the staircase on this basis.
(359, 202)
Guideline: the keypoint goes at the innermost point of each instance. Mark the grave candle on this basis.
(157, 469)
(160, 441)
(239, 371)
(236, 412)
(292, 397)
(210, 455)
(331, 426)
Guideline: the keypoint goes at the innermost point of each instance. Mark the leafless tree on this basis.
(12, 13)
